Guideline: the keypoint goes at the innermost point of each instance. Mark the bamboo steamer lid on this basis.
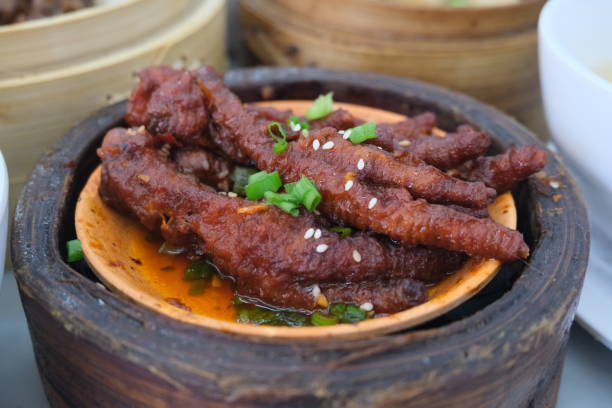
(37, 108)
(489, 52)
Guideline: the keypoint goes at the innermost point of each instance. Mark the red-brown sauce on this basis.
(165, 275)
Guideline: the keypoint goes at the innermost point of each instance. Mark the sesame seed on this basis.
(356, 256)
(295, 127)
(141, 129)
(316, 291)
(328, 145)
(366, 307)
(232, 194)
(321, 248)
(317, 234)
(404, 143)
(348, 185)
(346, 134)
(372, 203)
(341, 132)
(360, 164)
(555, 184)
(305, 133)
(309, 233)
(316, 144)
(223, 192)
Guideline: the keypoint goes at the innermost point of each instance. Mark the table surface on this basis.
(586, 381)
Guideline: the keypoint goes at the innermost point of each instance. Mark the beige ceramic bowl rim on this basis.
(471, 283)
(207, 10)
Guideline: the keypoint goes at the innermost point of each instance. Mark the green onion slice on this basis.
(319, 319)
(198, 269)
(75, 250)
(363, 132)
(240, 177)
(197, 287)
(260, 183)
(295, 121)
(322, 106)
(347, 312)
(281, 141)
(286, 202)
(237, 300)
(305, 192)
(168, 249)
(343, 231)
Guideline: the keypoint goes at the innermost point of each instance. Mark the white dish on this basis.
(3, 212)
(575, 37)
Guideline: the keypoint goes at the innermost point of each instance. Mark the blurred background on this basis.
(61, 60)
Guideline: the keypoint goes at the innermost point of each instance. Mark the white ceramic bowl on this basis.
(4, 182)
(576, 36)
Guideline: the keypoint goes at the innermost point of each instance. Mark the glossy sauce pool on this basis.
(165, 275)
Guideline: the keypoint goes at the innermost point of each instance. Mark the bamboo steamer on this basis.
(504, 348)
(51, 43)
(489, 53)
(38, 106)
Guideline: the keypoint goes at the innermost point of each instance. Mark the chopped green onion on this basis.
(168, 249)
(237, 300)
(353, 314)
(294, 319)
(363, 132)
(306, 192)
(75, 250)
(295, 121)
(322, 106)
(347, 312)
(319, 319)
(243, 316)
(343, 231)
(286, 202)
(240, 177)
(281, 141)
(198, 269)
(198, 286)
(261, 182)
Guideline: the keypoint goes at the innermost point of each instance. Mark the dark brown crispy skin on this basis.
(266, 251)
(422, 181)
(410, 135)
(388, 135)
(412, 222)
(170, 104)
(207, 167)
(503, 171)
(269, 114)
(447, 152)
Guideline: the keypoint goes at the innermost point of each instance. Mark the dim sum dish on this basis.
(257, 241)
(295, 218)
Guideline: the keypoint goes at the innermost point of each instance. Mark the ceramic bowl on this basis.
(575, 43)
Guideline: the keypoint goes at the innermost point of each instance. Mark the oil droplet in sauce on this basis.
(164, 273)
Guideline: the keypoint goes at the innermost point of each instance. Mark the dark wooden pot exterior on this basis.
(96, 349)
